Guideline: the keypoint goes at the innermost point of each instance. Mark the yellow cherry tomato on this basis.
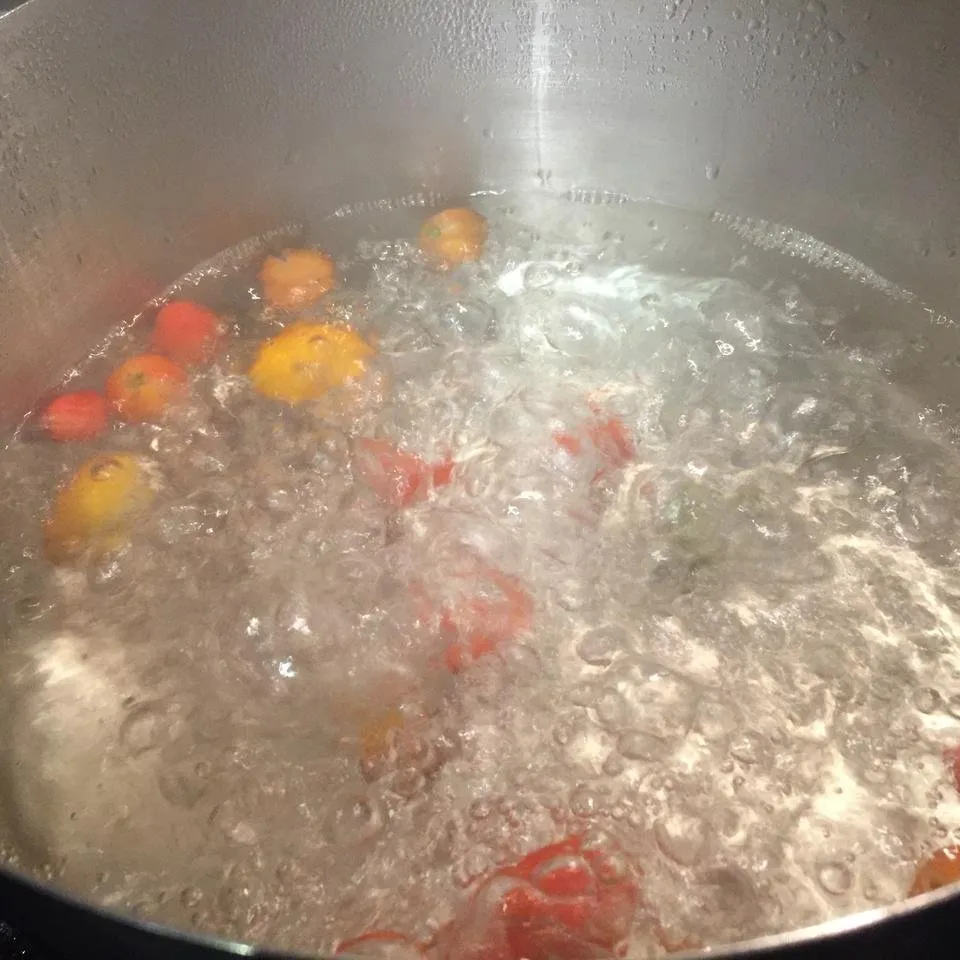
(94, 512)
(375, 735)
(297, 278)
(308, 359)
(454, 236)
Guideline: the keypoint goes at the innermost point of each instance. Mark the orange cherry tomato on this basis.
(297, 278)
(939, 870)
(143, 387)
(396, 477)
(82, 415)
(186, 332)
(453, 236)
(608, 440)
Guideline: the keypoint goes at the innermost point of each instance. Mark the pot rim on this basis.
(832, 931)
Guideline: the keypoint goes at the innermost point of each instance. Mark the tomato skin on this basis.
(608, 439)
(186, 332)
(938, 870)
(477, 625)
(380, 944)
(81, 415)
(145, 386)
(398, 478)
(553, 904)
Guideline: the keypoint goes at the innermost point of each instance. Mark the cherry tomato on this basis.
(297, 278)
(608, 440)
(453, 236)
(938, 870)
(96, 510)
(477, 623)
(306, 360)
(376, 735)
(565, 901)
(144, 387)
(186, 332)
(398, 478)
(82, 415)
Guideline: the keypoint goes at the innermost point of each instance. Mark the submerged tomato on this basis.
(81, 415)
(566, 901)
(95, 512)
(397, 477)
(493, 607)
(607, 439)
(453, 236)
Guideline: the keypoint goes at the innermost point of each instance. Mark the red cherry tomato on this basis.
(186, 332)
(606, 438)
(562, 902)
(397, 477)
(497, 610)
(82, 415)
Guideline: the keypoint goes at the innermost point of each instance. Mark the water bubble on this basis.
(354, 820)
(681, 838)
(712, 171)
(149, 726)
(637, 745)
(600, 646)
(191, 897)
(927, 700)
(716, 717)
(613, 765)
(183, 784)
(750, 747)
(480, 809)
(835, 878)
(409, 783)
(611, 710)
(589, 800)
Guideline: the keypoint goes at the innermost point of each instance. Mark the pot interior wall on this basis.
(140, 138)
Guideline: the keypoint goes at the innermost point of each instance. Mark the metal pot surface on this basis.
(139, 139)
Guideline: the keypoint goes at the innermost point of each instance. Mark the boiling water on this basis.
(742, 661)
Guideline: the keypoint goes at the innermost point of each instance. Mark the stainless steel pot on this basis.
(138, 138)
